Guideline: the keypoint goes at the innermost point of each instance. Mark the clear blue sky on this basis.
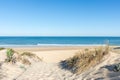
(59, 17)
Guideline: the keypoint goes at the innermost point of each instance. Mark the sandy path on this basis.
(55, 56)
(51, 71)
(46, 71)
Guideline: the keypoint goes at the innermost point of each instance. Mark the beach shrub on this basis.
(9, 54)
(84, 60)
(25, 57)
(28, 58)
(2, 48)
(28, 54)
(31, 55)
(86, 49)
(26, 61)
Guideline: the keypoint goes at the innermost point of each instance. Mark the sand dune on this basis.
(52, 71)
(49, 68)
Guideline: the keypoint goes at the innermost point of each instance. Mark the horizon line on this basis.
(53, 36)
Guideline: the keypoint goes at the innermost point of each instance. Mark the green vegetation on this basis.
(82, 61)
(86, 49)
(2, 48)
(9, 54)
(25, 58)
(31, 55)
(28, 54)
(22, 67)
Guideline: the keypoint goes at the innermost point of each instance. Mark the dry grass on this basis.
(28, 54)
(26, 61)
(84, 60)
(2, 48)
(31, 55)
(25, 57)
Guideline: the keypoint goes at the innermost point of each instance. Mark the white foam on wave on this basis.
(40, 45)
(70, 44)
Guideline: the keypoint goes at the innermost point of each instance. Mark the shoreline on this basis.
(53, 45)
(50, 48)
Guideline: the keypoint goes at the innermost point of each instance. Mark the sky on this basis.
(59, 17)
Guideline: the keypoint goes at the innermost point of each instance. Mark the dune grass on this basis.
(10, 53)
(28, 54)
(31, 55)
(26, 61)
(84, 60)
(25, 57)
(2, 48)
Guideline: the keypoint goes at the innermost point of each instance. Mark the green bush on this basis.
(9, 54)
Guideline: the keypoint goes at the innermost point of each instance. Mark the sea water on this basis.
(57, 41)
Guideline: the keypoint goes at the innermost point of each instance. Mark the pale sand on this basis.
(53, 54)
(49, 69)
(51, 48)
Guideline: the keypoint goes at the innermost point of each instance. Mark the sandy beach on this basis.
(49, 69)
(59, 40)
(53, 54)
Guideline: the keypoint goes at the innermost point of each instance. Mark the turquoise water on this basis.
(57, 41)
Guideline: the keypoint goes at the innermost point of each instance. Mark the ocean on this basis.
(57, 41)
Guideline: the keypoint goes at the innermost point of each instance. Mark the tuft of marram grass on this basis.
(10, 58)
(82, 61)
(31, 55)
(25, 58)
(2, 48)
(26, 61)
(28, 54)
